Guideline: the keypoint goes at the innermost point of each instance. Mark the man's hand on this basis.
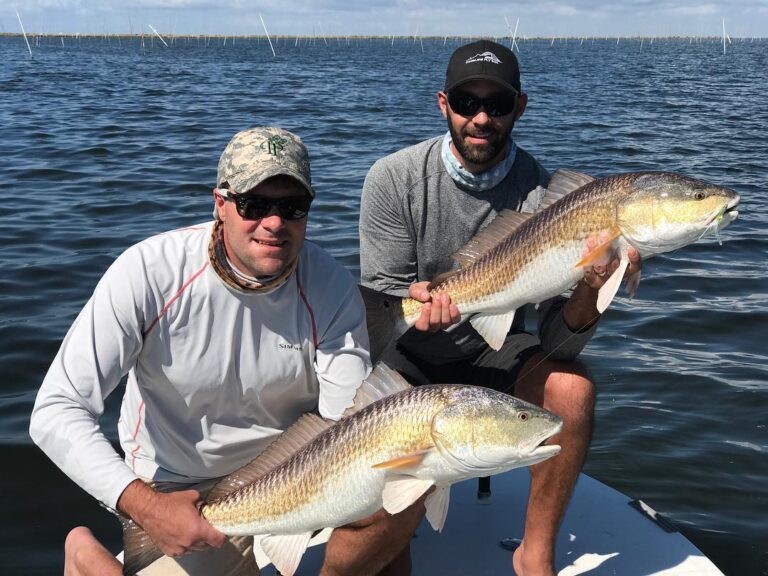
(438, 313)
(172, 519)
(595, 276)
(580, 311)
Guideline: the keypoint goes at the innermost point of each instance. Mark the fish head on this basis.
(482, 432)
(663, 211)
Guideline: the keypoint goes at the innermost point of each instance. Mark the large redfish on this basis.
(387, 454)
(527, 258)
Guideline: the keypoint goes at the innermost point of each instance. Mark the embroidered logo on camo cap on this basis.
(274, 145)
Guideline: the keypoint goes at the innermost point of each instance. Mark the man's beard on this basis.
(479, 153)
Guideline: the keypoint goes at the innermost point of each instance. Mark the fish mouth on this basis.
(543, 451)
(538, 454)
(721, 218)
(730, 213)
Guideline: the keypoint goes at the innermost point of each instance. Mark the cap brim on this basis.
(244, 184)
(493, 79)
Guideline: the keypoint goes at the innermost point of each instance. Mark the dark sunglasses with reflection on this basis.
(255, 207)
(495, 105)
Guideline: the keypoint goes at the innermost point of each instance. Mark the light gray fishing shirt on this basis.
(414, 216)
(214, 375)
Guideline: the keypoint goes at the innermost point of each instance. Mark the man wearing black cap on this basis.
(421, 205)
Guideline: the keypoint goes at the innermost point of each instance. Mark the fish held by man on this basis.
(393, 445)
(522, 258)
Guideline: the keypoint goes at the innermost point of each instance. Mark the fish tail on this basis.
(385, 318)
(139, 551)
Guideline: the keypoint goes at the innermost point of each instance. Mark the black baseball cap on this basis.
(483, 60)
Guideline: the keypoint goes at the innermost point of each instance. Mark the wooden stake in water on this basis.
(23, 32)
(267, 33)
(324, 37)
(157, 34)
(514, 35)
(723, 35)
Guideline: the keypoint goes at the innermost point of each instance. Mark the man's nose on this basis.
(481, 117)
(273, 218)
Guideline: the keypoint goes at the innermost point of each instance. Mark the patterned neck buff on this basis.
(482, 180)
(217, 254)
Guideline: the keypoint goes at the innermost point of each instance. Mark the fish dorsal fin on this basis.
(562, 183)
(437, 507)
(306, 429)
(493, 328)
(565, 181)
(506, 222)
(383, 381)
(285, 550)
(402, 491)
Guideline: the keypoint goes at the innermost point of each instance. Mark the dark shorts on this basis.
(497, 369)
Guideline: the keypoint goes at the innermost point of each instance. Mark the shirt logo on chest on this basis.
(286, 346)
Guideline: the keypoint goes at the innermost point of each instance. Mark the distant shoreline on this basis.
(369, 37)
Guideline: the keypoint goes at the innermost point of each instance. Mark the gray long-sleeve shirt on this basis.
(414, 216)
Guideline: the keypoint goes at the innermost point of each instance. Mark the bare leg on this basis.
(84, 555)
(375, 546)
(565, 389)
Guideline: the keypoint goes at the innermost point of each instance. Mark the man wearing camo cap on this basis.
(228, 331)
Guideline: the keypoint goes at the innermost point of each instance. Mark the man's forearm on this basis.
(580, 312)
(136, 499)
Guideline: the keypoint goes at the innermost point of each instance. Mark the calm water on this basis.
(103, 143)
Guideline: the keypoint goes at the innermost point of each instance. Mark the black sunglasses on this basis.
(466, 104)
(254, 207)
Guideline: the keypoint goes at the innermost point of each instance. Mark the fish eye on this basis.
(699, 195)
(523, 416)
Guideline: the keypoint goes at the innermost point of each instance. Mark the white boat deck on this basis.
(602, 534)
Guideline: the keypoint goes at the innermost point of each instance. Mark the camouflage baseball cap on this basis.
(256, 154)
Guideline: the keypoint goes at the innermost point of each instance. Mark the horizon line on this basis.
(369, 36)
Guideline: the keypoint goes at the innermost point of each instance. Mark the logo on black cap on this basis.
(484, 57)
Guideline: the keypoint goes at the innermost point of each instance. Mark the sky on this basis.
(549, 18)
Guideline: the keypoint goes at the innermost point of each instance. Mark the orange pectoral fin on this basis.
(601, 252)
(404, 462)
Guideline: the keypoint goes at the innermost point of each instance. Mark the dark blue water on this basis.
(103, 143)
